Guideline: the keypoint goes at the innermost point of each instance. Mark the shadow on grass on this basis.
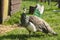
(30, 0)
(19, 36)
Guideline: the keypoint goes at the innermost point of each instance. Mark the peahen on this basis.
(41, 25)
(25, 22)
(34, 24)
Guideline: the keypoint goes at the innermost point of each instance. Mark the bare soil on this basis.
(7, 28)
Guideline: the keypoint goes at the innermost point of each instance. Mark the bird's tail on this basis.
(48, 29)
(52, 32)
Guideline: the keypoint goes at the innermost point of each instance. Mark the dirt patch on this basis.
(4, 28)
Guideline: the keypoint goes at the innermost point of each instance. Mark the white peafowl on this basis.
(34, 24)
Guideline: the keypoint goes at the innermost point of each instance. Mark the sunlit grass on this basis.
(53, 18)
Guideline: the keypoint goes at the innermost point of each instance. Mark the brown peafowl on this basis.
(41, 25)
(25, 22)
(34, 24)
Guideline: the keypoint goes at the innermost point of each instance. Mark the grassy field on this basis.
(53, 18)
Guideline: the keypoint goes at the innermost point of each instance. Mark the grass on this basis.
(13, 19)
(53, 18)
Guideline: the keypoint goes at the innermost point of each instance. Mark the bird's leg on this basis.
(29, 33)
(34, 33)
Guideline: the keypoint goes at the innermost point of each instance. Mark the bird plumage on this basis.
(31, 27)
(34, 24)
(41, 25)
(25, 22)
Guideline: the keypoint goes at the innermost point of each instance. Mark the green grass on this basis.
(15, 18)
(53, 18)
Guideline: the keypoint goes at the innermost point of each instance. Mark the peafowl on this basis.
(41, 25)
(33, 24)
(25, 22)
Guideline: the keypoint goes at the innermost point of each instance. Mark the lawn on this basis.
(53, 18)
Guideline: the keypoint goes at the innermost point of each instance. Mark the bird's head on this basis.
(24, 10)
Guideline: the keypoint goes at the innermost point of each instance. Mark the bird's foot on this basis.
(55, 33)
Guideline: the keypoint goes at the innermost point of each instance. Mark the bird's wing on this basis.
(36, 22)
(41, 24)
(31, 27)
